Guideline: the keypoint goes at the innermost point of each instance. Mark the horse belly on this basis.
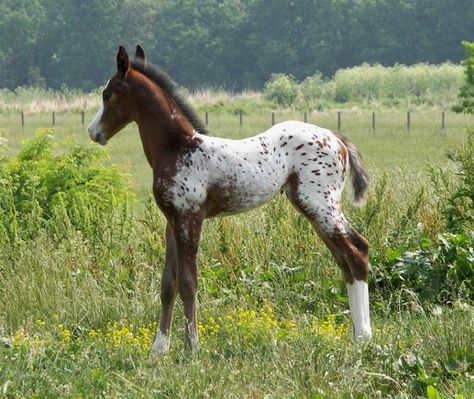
(238, 196)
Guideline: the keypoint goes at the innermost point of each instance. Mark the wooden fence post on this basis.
(22, 119)
(443, 124)
(240, 118)
(273, 118)
(82, 118)
(54, 118)
(207, 119)
(305, 117)
(408, 120)
(338, 121)
(373, 120)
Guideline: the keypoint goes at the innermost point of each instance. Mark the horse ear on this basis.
(140, 54)
(123, 62)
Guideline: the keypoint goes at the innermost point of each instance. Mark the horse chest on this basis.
(183, 193)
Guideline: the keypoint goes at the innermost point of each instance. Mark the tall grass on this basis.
(78, 304)
(374, 85)
(32, 100)
(400, 84)
(369, 85)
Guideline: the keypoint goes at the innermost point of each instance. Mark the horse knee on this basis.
(187, 286)
(168, 290)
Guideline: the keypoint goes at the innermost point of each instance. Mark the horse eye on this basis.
(106, 97)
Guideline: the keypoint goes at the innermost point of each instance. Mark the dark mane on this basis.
(167, 84)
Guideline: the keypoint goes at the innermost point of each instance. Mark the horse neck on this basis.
(163, 128)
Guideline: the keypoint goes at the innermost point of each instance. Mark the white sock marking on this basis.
(359, 305)
(161, 345)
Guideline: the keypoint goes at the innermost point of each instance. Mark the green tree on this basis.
(200, 41)
(230, 43)
(83, 38)
(20, 24)
(466, 93)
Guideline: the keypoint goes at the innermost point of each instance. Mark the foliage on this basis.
(419, 83)
(316, 92)
(439, 268)
(231, 44)
(466, 93)
(369, 84)
(40, 189)
(281, 89)
(459, 210)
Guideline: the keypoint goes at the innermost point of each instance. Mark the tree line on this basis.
(233, 44)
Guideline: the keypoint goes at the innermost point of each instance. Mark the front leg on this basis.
(187, 231)
(169, 288)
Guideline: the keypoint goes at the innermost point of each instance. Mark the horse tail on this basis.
(360, 177)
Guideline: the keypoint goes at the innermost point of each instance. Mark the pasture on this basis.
(78, 312)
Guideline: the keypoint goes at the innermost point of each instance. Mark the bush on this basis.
(41, 190)
(367, 84)
(281, 89)
(315, 91)
(439, 268)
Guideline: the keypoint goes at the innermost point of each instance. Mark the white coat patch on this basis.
(95, 126)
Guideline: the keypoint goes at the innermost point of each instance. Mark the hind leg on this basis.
(351, 252)
(348, 247)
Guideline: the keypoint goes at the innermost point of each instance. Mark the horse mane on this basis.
(162, 79)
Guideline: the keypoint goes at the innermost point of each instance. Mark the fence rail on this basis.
(339, 117)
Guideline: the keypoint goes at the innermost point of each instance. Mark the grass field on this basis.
(391, 145)
(77, 317)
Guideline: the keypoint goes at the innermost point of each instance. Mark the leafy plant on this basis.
(460, 209)
(281, 89)
(43, 190)
(315, 91)
(439, 268)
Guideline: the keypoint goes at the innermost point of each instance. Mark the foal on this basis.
(196, 177)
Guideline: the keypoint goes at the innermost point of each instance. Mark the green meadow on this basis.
(79, 306)
(390, 145)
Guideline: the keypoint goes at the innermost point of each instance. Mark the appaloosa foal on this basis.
(196, 176)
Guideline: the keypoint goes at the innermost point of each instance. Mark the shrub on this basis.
(281, 89)
(315, 91)
(367, 84)
(42, 190)
(439, 268)
(459, 211)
